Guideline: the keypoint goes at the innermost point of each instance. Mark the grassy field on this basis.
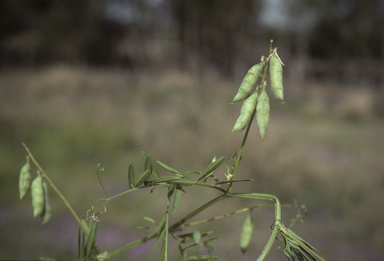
(324, 147)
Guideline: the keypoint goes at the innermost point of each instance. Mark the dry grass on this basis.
(324, 147)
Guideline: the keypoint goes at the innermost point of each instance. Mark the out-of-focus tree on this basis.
(35, 32)
(348, 29)
(217, 31)
(331, 38)
(349, 35)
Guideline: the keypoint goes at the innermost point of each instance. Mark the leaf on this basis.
(155, 173)
(145, 155)
(193, 171)
(149, 165)
(302, 253)
(302, 240)
(196, 236)
(171, 189)
(202, 258)
(164, 248)
(227, 167)
(159, 237)
(164, 179)
(176, 198)
(212, 177)
(168, 168)
(163, 229)
(161, 224)
(83, 244)
(150, 220)
(143, 177)
(163, 253)
(182, 182)
(131, 176)
(262, 113)
(246, 233)
(231, 181)
(92, 237)
(79, 243)
(188, 238)
(211, 168)
(200, 244)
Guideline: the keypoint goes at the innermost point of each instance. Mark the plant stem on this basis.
(242, 146)
(81, 223)
(277, 224)
(210, 186)
(130, 245)
(197, 211)
(231, 214)
(276, 228)
(170, 229)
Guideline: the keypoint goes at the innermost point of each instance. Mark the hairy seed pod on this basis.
(246, 233)
(47, 213)
(37, 192)
(262, 113)
(25, 179)
(276, 74)
(246, 112)
(248, 82)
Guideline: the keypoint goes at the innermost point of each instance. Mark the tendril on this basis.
(299, 216)
(100, 167)
(94, 211)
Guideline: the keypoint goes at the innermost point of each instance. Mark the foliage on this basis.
(188, 244)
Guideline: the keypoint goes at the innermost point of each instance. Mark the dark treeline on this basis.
(225, 35)
(39, 32)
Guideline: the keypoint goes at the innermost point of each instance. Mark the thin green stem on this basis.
(207, 205)
(271, 240)
(232, 214)
(81, 223)
(101, 168)
(210, 186)
(170, 229)
(130, 245)
(241, 147)
(197, 211)
(277, 224)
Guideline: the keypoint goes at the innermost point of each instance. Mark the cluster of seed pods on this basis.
(39, 192)
(259, 100)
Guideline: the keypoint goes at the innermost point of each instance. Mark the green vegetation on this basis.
(69, 145)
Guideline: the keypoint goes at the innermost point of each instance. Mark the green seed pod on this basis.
(37, 192)
(262, 113)
(276, 74)
(47, 213)
(246, 233)
(25, 179)
(249, 81)
(246, 112)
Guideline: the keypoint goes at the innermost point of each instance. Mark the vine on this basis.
(255, 105)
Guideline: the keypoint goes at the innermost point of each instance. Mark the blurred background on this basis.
(88, 82)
